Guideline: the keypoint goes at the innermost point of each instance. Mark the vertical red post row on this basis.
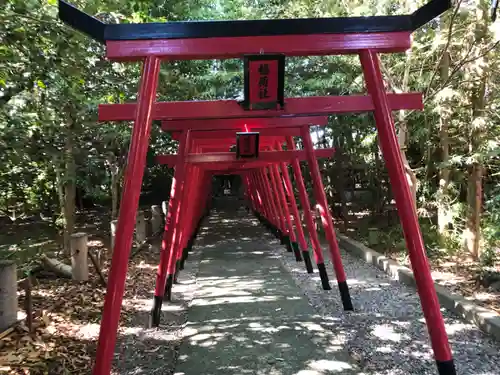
(192, 218)
(296, 216)
(265, 213)
(409, 221)
(288, 234)
(270, 200)
(306, 207)
(134, 173)
(269, 176)
(186, 217)
(326, 218)
(166, 268)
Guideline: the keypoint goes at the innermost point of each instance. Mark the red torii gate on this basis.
(226, 162)
(151, 43)
(282, 227)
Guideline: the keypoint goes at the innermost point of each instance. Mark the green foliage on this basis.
(52, 78)
(491, 229)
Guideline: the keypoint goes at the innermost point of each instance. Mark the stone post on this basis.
(373, 236)
(156, 219)
(164, 208)
(140, 227)
(114, 224)
(8, 294)
(149, 227)
(79, 257)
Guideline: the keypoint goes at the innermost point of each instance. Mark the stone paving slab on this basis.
(248, 316)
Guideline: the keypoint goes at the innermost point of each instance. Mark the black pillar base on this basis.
(168, 288)
(184, 256)
(285, 240)
(344, 294)
(325, 282)
(446, 367)
(282, 239)
(296, 251)
(307, 261)
(176, 274)
(154, 317)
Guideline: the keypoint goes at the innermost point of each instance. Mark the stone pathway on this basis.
(248, 316)
(255, 310)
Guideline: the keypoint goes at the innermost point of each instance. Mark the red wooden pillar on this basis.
(249, 196)
(184, 207)
(326, 218)
(290, 235)
(258, 195)
(306, 207)
(134, 172)
(283, 231)
(254, 193)
(409, 221)
(192, 196)
(262, 194)
(270, 199)
(296, 217)
(165, 273)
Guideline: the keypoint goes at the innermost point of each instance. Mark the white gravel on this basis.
(386, 333)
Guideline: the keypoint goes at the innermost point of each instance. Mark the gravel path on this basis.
(248, 316)
(142, 350)
(386, 334)
(291, 326)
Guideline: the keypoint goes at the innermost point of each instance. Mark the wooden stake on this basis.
(8, 293)
(97, 268)
(79, 251)
(28, 304)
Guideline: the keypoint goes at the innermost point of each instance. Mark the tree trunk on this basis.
(443, 199)
(403, 136)
(115, 172)
(474, 187)
(56, 266)
(60, 184)
(69, 187)
(474, 203)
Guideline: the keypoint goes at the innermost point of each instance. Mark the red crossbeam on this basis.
(223, 109)
(268, 126)
(231, 47)
(230, 157)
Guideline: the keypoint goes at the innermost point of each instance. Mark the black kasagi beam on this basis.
(103, 32)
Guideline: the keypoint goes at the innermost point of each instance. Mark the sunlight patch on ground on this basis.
(144, 265)
(387, 333)
(356, 282)
(329, 365)
(206, 340)
(312, 326)
(89, 331)
(241, 299)
(452, 329)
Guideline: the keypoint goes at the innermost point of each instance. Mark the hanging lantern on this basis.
(247, 145)
(264, 82)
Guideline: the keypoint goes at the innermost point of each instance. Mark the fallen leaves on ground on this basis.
(67, 318)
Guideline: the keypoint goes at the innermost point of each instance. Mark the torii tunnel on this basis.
(266, 122)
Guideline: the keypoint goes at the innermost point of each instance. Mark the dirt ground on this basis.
(67, 314)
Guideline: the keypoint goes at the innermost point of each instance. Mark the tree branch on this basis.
(445, 49)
